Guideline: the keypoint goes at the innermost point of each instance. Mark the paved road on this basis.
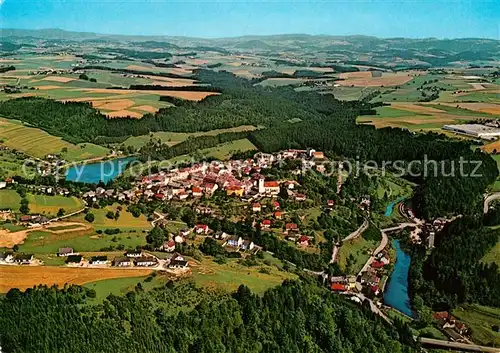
(383, 243)
(488, 199)
(358, 231)
(457, 345)
(351, 236)
(68, 215)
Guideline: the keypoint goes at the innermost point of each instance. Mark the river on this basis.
(100, 171)
(390, 207)
(396, 292)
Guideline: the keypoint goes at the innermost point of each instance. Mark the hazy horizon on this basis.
(231, 18)
(240, 36)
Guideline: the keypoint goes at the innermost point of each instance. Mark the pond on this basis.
(396, 292)
(93, 173)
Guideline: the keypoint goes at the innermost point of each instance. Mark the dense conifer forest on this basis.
(295, 317)
(453, 273)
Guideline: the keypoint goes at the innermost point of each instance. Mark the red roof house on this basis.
(377, 264)
(303, 241)
(201, 228)
(265, 223)
(338, 287)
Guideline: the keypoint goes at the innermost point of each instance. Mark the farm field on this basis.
(126, 219)
(112, 102)
(24, 277)
(42, 242)
(9, 199)
(172, 138)
(50, 205)
(38, 143)
(416, 117)
(231, 275)
(480, 319)
(367, 79)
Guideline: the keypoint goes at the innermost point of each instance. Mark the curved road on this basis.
(383, 243)
(488, 199)
(351, 236)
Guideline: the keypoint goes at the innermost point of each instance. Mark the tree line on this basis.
(294, 317)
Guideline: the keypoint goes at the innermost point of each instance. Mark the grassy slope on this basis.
(9, 199)
(230, 275)
(50, 205)
(480, 319)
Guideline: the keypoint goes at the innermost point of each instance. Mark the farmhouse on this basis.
(300, 197)
(133, 253)
(168, 246)
(145, 261)
(6, 257)
(122, 262)
(178, 264)
(65, 252)
(235, 241)
(23, 259)
(74, 259)
(98, 260)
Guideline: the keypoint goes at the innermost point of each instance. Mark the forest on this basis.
(294, 317)
(453, 274)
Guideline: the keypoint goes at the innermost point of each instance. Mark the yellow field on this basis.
(24, 277)
(360, 79)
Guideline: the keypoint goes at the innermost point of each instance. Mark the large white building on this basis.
(475, 130)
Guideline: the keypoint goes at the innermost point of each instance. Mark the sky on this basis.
(230, 18)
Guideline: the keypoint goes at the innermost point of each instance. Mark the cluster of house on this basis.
(10, 258)
(232, 242)
(239, 178)
(369, 280)
(35, 220)
(49, 190)
(133, 258)
(453, 328)
(102, 193)
(344, 284)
